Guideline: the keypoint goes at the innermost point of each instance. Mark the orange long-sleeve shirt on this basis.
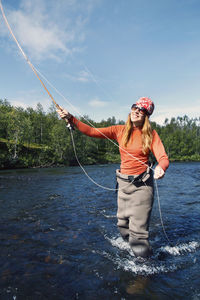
(133, 160)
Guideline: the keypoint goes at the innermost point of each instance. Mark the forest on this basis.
(35, 138)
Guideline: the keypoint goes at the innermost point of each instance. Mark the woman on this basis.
(135, 178)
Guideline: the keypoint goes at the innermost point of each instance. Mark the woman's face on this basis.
(137, 116)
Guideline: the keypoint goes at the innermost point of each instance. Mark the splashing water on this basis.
(151, 266)
(182, 248)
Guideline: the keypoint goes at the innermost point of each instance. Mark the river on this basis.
(59, 238)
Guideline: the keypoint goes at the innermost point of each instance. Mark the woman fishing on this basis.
(136, 140)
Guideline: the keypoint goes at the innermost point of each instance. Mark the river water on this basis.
(59, 238)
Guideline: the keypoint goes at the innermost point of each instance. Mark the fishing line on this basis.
(118, 189)
(85, 172)
(160, 212)
(36, 72)
(87, 175)
(97, 82)
(159, 209)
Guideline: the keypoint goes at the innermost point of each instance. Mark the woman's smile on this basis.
(137, 118)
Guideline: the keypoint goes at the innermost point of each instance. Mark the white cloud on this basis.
(39, 41)
(168, 112)
(97, 103)
(30, 98)
(48, 29)
(82, 76)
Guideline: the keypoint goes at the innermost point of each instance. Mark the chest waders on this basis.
(135, 201)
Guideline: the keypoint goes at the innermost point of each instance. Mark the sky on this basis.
(100, 56)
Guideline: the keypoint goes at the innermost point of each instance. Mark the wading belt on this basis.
(136, 178)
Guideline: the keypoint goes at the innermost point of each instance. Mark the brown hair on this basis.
(146, 134)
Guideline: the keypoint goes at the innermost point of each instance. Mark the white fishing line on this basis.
(85, 172)
(160, 212)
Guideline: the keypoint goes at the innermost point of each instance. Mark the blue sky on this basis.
(102, 55)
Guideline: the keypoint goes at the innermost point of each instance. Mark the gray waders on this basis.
(135, 201)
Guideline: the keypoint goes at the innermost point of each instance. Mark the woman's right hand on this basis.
(63, 113)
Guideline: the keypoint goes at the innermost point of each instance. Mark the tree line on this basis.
(35, 138)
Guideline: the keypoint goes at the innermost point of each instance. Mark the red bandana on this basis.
(147, 103)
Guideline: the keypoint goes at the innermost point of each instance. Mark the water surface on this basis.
(59, 238)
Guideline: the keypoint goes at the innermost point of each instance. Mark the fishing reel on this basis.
(69, 126)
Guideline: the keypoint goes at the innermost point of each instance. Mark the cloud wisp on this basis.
(168, 112)
(81, 76)
(96, 103)
(47, 30)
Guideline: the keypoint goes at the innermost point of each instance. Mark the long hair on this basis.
(146, 134)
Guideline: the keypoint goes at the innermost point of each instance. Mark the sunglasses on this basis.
(141, 110)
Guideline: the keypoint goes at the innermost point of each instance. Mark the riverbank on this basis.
(31, 155)
(53, 166)
(23, 155)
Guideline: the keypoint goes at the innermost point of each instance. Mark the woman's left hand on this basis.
(158, 172)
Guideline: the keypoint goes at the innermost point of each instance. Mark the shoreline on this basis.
(96, 164)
